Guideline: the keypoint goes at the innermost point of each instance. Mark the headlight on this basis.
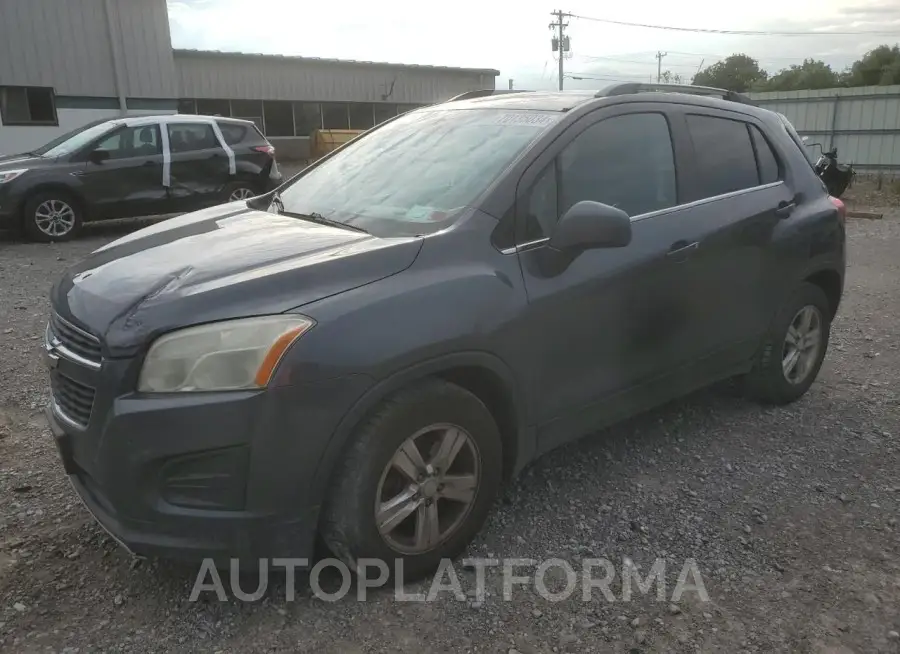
(222, 356)
(10, 175)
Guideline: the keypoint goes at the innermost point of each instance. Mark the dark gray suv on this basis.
(366, 353)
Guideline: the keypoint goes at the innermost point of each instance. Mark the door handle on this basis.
(785, 209)
(681, 250)
(147, 164)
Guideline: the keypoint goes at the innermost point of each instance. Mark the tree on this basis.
(811, 74)
(739, 72)
(668, 77)
(878, 67)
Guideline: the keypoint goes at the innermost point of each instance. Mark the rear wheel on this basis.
(418, 481)
(51, 216)
(793, 351)
(236, 191)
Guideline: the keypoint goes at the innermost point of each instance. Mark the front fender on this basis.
(525, 436)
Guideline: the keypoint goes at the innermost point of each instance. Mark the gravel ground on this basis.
(790, 513)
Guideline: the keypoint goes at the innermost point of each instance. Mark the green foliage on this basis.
(668, 77)
(739, 72)
(811, 74)
(878, 67)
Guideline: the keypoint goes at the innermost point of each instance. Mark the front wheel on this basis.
(418, 481)
(51, 216)
(793, 350)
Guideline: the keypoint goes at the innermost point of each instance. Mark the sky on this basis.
(514, 37)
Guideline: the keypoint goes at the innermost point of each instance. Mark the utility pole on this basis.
(560, 42)
(510, 84)
(659, 58)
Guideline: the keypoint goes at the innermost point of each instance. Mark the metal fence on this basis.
(863, 122)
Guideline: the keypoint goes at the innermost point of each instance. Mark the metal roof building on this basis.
(64, 64)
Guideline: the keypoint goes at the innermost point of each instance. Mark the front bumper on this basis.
(9, 206)
(216, 475)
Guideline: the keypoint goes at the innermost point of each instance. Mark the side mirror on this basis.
(588, 225)
(99, 156)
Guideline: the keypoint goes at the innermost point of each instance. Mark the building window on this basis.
(279, 118)
(27, 105)
(307, 118)
(361, 115)
(384, 112)
(187, 106)
(214, 107)
(335, 116)
(403, 108)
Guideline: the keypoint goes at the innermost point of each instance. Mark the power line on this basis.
(604, 79)
(606, 75)
(701, 30)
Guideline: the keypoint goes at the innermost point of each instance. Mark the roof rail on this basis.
(627, 88)
(468, 95)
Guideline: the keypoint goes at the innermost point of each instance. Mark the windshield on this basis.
(74, 140)
(414, 175)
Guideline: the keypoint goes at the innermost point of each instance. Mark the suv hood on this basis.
(12, 161)
(225, 262)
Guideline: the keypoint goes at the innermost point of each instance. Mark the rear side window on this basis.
(233, 134)
(189, 137)
(765, 158)
(724, 155)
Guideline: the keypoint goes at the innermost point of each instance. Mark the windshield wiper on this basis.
(313, 217)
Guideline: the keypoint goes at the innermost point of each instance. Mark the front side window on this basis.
(724, 155)
(416, 174)
(190, 137)
(127, 142)
(625, 161)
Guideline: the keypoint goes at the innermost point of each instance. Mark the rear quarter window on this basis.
(769, 169)
(233, 134)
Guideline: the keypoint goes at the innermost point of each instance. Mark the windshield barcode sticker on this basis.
(525, 118)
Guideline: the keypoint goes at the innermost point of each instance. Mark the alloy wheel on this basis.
(54, 218)
(802, 345)
(427, 489)
(242, 193)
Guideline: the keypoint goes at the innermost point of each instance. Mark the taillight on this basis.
(840, 206)
(268, 149)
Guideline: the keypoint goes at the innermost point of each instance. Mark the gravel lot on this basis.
(790, 513)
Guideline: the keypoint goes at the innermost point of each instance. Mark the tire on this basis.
(349, 527)
(51, 216)
(769, 382)
(232, 189)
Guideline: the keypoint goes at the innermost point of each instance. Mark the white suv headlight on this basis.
(223, 356)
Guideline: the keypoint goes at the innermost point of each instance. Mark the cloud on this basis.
(514, 36)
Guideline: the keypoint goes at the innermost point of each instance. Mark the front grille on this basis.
(76, 339)
(73, 399)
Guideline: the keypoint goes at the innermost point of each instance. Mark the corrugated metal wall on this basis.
(65, 44)
(243, 77)
(863, 123)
